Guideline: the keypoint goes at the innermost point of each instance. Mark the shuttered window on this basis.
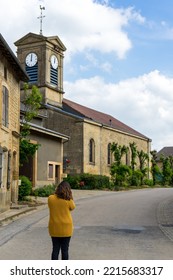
(5, 106)
(1, 154)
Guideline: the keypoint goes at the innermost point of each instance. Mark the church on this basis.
(86, 134)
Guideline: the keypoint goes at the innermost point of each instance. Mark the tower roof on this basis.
(36, 38)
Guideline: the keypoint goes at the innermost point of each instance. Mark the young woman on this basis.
(60, 220)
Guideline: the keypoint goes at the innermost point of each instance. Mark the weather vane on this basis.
(41, 18)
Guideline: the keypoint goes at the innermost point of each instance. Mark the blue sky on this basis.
(119, 57)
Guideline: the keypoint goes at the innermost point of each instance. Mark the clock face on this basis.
(54, 61)
(31, 59)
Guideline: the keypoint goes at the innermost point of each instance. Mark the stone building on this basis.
(11, 74)
(91, 132)
(37, 56)
(91, 135)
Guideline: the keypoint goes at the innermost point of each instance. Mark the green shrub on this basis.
(88, 181)
(74, 181)
(148, 182)
(44, 191)
(25, 188)
(136, 178)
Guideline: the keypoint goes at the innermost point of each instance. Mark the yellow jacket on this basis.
(60, 219)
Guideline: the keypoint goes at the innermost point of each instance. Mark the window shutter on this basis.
(3, 105)
(6, 107)
(9, 170)
(1, 152)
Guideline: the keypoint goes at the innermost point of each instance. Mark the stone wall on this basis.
(80, 132)
(102, 136)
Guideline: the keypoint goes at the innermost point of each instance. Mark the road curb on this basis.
(165, 217)
(8, 216)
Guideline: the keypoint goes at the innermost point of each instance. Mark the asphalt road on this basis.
(111, 226)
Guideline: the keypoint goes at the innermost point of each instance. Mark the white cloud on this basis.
(144, 103)
(89, 25)
(89, 28)
(81, 24)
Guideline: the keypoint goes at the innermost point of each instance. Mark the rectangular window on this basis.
(54, 171)
(51, 171)
(5, 105)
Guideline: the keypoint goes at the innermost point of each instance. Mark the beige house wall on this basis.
(53, 155)
(9, 136)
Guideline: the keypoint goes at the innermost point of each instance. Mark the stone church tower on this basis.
(42, 58)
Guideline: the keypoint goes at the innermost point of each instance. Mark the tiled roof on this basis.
(99, 117)
(166, 151)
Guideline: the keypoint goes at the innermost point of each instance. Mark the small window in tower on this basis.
(54, 70)
(53, 76)
(31, 66)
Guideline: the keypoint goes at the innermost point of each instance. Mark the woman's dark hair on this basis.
(64, 191)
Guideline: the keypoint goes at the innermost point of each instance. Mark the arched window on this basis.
(92, 151)
(109, 154)
(128, 158)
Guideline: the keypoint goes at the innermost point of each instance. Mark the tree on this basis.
(143, 157)
(155, 171)
(119, 172)
(166, 170)
(133, 149)
(32, 103)
(118, 152)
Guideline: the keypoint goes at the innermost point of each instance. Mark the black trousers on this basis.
(60, 244)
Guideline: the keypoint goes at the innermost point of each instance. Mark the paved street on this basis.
(108, 225)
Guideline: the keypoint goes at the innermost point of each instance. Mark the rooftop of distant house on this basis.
(166, 152)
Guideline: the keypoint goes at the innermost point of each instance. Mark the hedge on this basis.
(88, 181)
